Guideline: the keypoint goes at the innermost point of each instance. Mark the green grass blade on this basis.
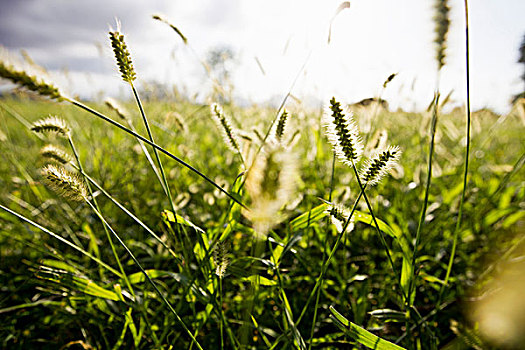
(361, 335)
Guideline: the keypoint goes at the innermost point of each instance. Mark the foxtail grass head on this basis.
(122, 55)
(279, 130)
(224, 124)
(116, 107)
(51, 124)
(379, 165)
(442, 24)
(220, 257)
(339, 214)
(270, 183)
(27, 76)
(65, 183)
(55, 153)
(342, 133)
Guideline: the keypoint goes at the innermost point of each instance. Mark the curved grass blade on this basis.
(361, 335)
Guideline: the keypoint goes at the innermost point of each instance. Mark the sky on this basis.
(369, 41)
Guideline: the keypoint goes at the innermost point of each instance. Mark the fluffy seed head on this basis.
(122, 55)
(270, 184)
(379, 165)
(116, 107)
(442, 24)
(55, 153)
(342, 132)
(65, 183)
(279, 131)
(220, 257)
(338, 215)
(27, 76)
(224, 124)
(51, 124)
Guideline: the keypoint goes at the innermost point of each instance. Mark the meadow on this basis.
(229, 227)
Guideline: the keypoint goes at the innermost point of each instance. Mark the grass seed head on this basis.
(122, 55)
(279, 130)
(442, 24)
(342, 133)
(177, 119)
(220, 257)
(27, 76)
(338, 215)
(65, 183)
(379, 165)
(116, 107)
(223, 122)
(55, 153)
(270, 184)
(51, 124)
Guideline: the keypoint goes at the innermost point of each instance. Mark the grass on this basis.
(244, 254)
(358, 280)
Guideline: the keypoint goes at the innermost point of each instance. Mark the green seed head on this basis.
(379, 165)
(27, 76)
(122, 55)
(51, 124)
(342, 133)
(55, 153)
(65, 183)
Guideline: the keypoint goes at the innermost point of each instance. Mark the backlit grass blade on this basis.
(361, 335)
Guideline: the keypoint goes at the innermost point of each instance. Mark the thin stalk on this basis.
(153, 284)
(148, 156)
(115, 254)
(19, 118)
(164, 182)
(210, 249)
(287, 311)
(318, 293)
(63, 240)
(131, 215)
(381, 235)
(324, 266)
(411, 284)
(221, 323)
(169, 154)
(113, 249)
(467, 151)
(157, 158)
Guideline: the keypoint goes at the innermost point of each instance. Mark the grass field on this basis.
(53, 296)
(170, 224)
